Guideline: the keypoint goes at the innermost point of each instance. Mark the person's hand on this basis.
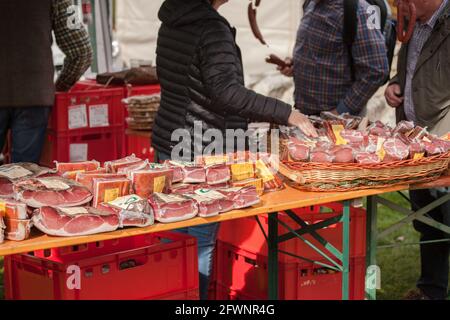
(301, 121)
(393, 95)
(288, 70)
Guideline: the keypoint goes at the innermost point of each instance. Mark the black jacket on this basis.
(200, 70)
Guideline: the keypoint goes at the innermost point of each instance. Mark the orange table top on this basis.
(288, 198)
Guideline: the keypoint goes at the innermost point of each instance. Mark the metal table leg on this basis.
(273, 256)
(345, 250)
(371, 234)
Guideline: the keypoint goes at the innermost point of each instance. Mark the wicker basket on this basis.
(352, 176)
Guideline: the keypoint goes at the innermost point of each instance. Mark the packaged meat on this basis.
(418, 133)
(76, 221)
(367, 158)
(51, 191)
(172, 208)
(416, 150)
(146, 182)
(106, 190)
(208, 202)
(132, 210)
(342, 154)
(298, 150)
(114, 166)
(70, 170)
(142, 165)
(353, 137)
(11, 173)
(17, 230)
(241, 197)
(242, 171)
(371, 143)
(12, 209)
(394, 150)
(256, 182)
(379, 129)
(178, 174)
(87, 179)
(183, 188)
(404, 127)
(2, 230)
(217, 174)
(224, 203)
(192, 173)
(271, 180)
(321, 157)
(437, 146)
(212, 160)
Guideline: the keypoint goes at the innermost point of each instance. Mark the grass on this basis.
(400, 266)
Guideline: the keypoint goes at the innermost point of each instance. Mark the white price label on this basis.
(14, 172)
(54, 184)
(78, 152)
(74, 211)
(125, 202)
(77, 117)
(98, 116)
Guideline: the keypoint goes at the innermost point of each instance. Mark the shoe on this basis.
(416, 294)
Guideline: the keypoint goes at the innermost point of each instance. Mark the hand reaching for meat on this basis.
(303, 123)
(393, 95)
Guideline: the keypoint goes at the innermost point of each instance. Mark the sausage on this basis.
(274, 59)
(254, 24)
(404, 36)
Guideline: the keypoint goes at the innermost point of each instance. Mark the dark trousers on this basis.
(28, 126)
(434, 256)
(206, 236)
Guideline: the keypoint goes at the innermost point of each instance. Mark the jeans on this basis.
(206, 236)
(28, 127)
(434, 256)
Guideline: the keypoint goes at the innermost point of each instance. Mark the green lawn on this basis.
(399, 266)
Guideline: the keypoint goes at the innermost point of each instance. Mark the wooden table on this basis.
(272, 204)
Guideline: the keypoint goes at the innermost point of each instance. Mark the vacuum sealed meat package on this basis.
(51, 191)
(217, 174)
(208, 204)
(2, 230)
(146, 182)
(178, 174)
(321, 157)
(70, 170)
(75, 221)
(142, 165)
(114, 166)
(87, 179)
(342, 154)
(298, 150)
(106, 190)
(132, 210)
(17, 230)
(395, 150)
(172, 207)
(367, 158)
(241, 197)
(192, 173)
(12, 209)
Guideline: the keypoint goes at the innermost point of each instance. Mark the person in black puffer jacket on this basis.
(200, 70)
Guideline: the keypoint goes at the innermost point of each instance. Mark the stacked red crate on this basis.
(154, 266)
(241, 258)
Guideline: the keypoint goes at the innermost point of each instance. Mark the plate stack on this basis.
(142, 111)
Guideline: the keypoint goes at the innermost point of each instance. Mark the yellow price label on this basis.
(419, 156)
(337, 129)
(111, 194)
(213, 160)
(2, 208)
(159, 184)
(242, 171)
(263, 171)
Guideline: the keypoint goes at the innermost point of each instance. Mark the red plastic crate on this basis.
(140, 145)
(246, 234)
(102, 145)
(142, 90)
(91, 104)
(243, 276)
(153, 266)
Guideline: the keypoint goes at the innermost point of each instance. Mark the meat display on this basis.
(114, 166)
(106, 190)
(11, 173)
(17, 230)
(270, 179)
(132, 210)
(395, 150)
(70, 170)
(144, 183)
(51, 191)
(218, 174)
(78, 221)
(172, 208)
(87, 179)
(12, 209)
(241, 197)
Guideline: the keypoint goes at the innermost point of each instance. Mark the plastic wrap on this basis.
(298, 149)
(437, 146)
(367, 158)
(114, 166)
(178, 174)
(342, 154)
(271, 179)
(208, 202)
(255, 182)
(172, 208)
(12, 209)
(192, 173)
(2, 229)
(106, 190)
(144, 183)
(17, 230)
(416, 150)
(404, 127)
(70, 170)
(241, 197)
(353, 138)
(76, 221)
(321, 157)
(141, 165)
(394, 150)
(217, 174)
(132, 210)
(242, 171)
(87, 179)
(51, 191)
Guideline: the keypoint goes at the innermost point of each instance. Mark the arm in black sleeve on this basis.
(221, 77)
